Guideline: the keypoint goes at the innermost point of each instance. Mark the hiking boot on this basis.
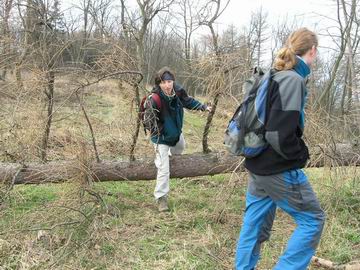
(163, 204)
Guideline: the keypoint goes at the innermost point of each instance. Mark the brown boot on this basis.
(163, 204)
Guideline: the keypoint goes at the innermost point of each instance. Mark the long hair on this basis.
(298, 43)
(160, 73)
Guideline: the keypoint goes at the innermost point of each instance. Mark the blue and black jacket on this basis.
(171, 114)
(285, 123)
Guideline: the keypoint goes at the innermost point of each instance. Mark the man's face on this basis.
(167, 86)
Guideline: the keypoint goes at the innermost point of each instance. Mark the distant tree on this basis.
(138, 24)
(100, 13)
(44, 41)
(256, 36)
(5, 43)
(346, 18)
(279, 34)
(188, 18)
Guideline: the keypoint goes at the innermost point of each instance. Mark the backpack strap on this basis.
(157, 99)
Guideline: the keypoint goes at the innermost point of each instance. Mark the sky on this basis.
(309, 13)
(239, 11)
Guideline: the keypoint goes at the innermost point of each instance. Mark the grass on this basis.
(61, 226)
(127, 232)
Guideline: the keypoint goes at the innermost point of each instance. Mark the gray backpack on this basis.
(245, 133)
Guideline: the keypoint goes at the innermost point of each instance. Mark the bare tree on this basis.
(189, 18)
(230, 39)
(351, 47)
(260, 26)
(345, 25)
(100, 13)
(28, 22)
(5, 9)
(85, 7)
(46, 46)
(138, 23)
(280, 33)
(210, 17)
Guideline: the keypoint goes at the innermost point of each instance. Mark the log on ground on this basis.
(190, 165)
(59, 171)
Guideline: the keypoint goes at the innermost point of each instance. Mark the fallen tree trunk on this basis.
(59, 171)
(181, 166)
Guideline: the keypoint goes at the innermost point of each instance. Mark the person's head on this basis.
(301, 42)
(165, 78)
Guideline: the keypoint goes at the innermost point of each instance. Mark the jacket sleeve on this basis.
(188, 101)
(282, 124)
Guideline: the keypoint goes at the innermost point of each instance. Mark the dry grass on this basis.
(82, 225)
(55, 227)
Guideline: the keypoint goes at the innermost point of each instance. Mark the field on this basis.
(55, 227)
(115, 225)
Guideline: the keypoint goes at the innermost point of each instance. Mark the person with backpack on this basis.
(167, 101)
(276, 178)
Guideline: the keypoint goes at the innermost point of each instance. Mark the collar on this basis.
(301, 67)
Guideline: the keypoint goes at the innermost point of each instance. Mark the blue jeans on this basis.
(292, 192)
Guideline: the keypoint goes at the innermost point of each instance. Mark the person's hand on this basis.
(209, 108)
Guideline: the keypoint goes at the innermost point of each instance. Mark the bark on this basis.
(211, 114)
(49, 92)
(138, 124)
(192, 165)
(59, 171)
(90, 126)
(215, 43)
(207, 127)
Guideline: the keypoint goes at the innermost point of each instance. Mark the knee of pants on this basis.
(162, 162)
(321, 218)
(178, 150)
(264, 236)
(162, 165)
(163, 174)
(318, 227)
(179, 147)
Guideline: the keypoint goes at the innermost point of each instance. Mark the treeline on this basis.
(42, 40)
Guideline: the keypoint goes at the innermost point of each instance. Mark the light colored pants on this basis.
(162, 164)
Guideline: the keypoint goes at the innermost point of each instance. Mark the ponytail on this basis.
(298, 43)
(285, 59)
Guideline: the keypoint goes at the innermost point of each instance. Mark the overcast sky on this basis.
(239, 11)
(307, 12)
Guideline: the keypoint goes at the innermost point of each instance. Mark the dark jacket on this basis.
(284, 125)
(171, 114)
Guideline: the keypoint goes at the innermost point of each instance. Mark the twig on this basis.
(84, 111)
(90, 127)
(225, 194)
(44, 229)
(331, 265)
